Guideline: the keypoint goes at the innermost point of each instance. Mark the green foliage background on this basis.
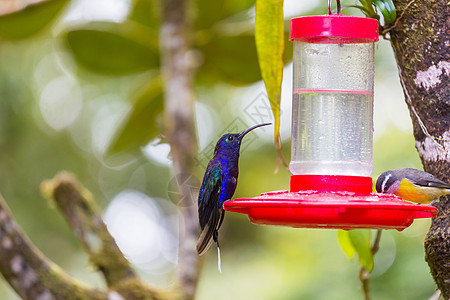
(116, 67)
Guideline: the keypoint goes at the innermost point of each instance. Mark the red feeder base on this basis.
(344, 203)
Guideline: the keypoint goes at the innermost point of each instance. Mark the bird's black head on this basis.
(385, 181)
(231, 142)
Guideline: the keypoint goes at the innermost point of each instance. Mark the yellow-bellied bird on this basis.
(412, 185)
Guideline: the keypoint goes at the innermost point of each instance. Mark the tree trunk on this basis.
(421, 45)
(176, 67)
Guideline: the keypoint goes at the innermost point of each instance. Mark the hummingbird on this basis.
(218, 186)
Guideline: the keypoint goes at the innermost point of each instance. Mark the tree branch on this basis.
(78, 208)
(177, 70)
(29, 272)
(364, 274)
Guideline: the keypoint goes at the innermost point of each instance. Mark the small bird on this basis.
(218, 186)
(412, 185)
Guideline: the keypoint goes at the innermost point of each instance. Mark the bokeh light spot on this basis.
(61, 102)
(146, 234)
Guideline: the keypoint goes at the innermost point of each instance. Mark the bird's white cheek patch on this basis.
(434, 150)
(383, 185)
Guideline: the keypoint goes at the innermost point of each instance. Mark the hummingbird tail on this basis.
(210, 232)
(205, 240)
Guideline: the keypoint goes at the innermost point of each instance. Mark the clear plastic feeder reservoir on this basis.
(332, 110)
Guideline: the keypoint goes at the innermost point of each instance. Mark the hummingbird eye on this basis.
(230, 138)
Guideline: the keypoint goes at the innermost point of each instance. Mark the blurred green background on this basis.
(75, 95)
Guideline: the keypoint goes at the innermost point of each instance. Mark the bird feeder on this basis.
(331, 135)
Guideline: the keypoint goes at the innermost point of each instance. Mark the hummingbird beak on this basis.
(243, 133)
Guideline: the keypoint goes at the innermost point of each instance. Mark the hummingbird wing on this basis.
(209, 213)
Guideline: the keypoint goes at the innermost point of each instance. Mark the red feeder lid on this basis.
(330, 209)
(334, 29)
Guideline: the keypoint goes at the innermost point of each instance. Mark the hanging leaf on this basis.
(387, 8)
(114, 49)
(231, 59)
(140, 126)
(30, 20)
(269, 36)
(346, 243)
(360, 239)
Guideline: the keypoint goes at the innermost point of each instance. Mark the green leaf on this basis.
(209, 13)
(346, 243)
(360, 239)
(30, 20)
(231, 59)
(368, 9)
(145, 13)
(114, 49)
(269, 36)
(366, 3)
(140, 126)
(387, 8)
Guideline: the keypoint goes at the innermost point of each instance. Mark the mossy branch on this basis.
(29, 272)
(78, 208)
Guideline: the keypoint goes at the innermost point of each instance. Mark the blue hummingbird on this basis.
(218, 186)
